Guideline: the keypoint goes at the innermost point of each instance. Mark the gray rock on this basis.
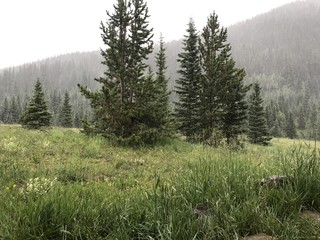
(276, 181)
(202, 210)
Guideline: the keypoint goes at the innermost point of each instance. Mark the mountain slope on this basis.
(284, 42)
(280, 48)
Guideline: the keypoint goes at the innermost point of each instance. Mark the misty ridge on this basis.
(279, 49)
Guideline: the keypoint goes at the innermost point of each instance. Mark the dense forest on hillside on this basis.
(279, 49)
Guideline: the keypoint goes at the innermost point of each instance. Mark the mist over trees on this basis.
(279, 49)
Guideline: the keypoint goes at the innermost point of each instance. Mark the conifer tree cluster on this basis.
(211, 89)
(36, 114)
(131, 106)
(11, 110)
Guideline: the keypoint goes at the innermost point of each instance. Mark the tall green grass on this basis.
(106, 192)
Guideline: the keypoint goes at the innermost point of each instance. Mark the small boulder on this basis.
(276, 181)
(202, 210)
(259, 236)
(315, 216)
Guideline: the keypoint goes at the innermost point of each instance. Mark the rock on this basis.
(259, 236)
(312, 215)
(202, 210)
(276, 181)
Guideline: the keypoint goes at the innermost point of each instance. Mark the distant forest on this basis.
(279, 49)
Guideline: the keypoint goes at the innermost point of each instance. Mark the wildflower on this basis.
(14, 186)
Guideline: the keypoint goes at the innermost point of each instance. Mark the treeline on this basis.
(11, 108)
(296, 119)
(285, 63)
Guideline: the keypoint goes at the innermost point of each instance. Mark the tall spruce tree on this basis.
(258, 131)
(211, 44)
(36, 114)
(188, 85)
(235, 103)
(223, 104)
(161, 88)
(65, 116)
(123, 109)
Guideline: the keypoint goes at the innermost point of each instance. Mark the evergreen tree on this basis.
(123, 109)
(235, 104)
(258, 132)
(188, 85)
(211, 44)
(291, 131)
(36, 114)
(66, 112)
(161, 89)
(223, 104)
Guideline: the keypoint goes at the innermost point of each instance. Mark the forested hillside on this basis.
(279, 49)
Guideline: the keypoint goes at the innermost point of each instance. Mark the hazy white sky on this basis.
(31, 30)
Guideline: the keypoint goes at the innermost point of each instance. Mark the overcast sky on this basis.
(31, 30)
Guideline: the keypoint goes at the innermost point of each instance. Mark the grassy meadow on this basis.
(61, 184)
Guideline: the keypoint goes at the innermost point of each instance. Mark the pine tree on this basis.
(36, 114)
(211, 44)
(235, 104)
(161, 88)
(123, 111)
(65, 116)
(223, 104)
(291, 131)
(258, 132)
(188, 85)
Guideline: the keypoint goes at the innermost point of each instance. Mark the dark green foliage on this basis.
(188, 85)
(161, 78)
(211, 89)
(291, 131)
(213, 53)
(258, 131)
(126, 108)
(65, 116)
(235, 109)
(162, 113)
(36, 114)
(223, 105)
